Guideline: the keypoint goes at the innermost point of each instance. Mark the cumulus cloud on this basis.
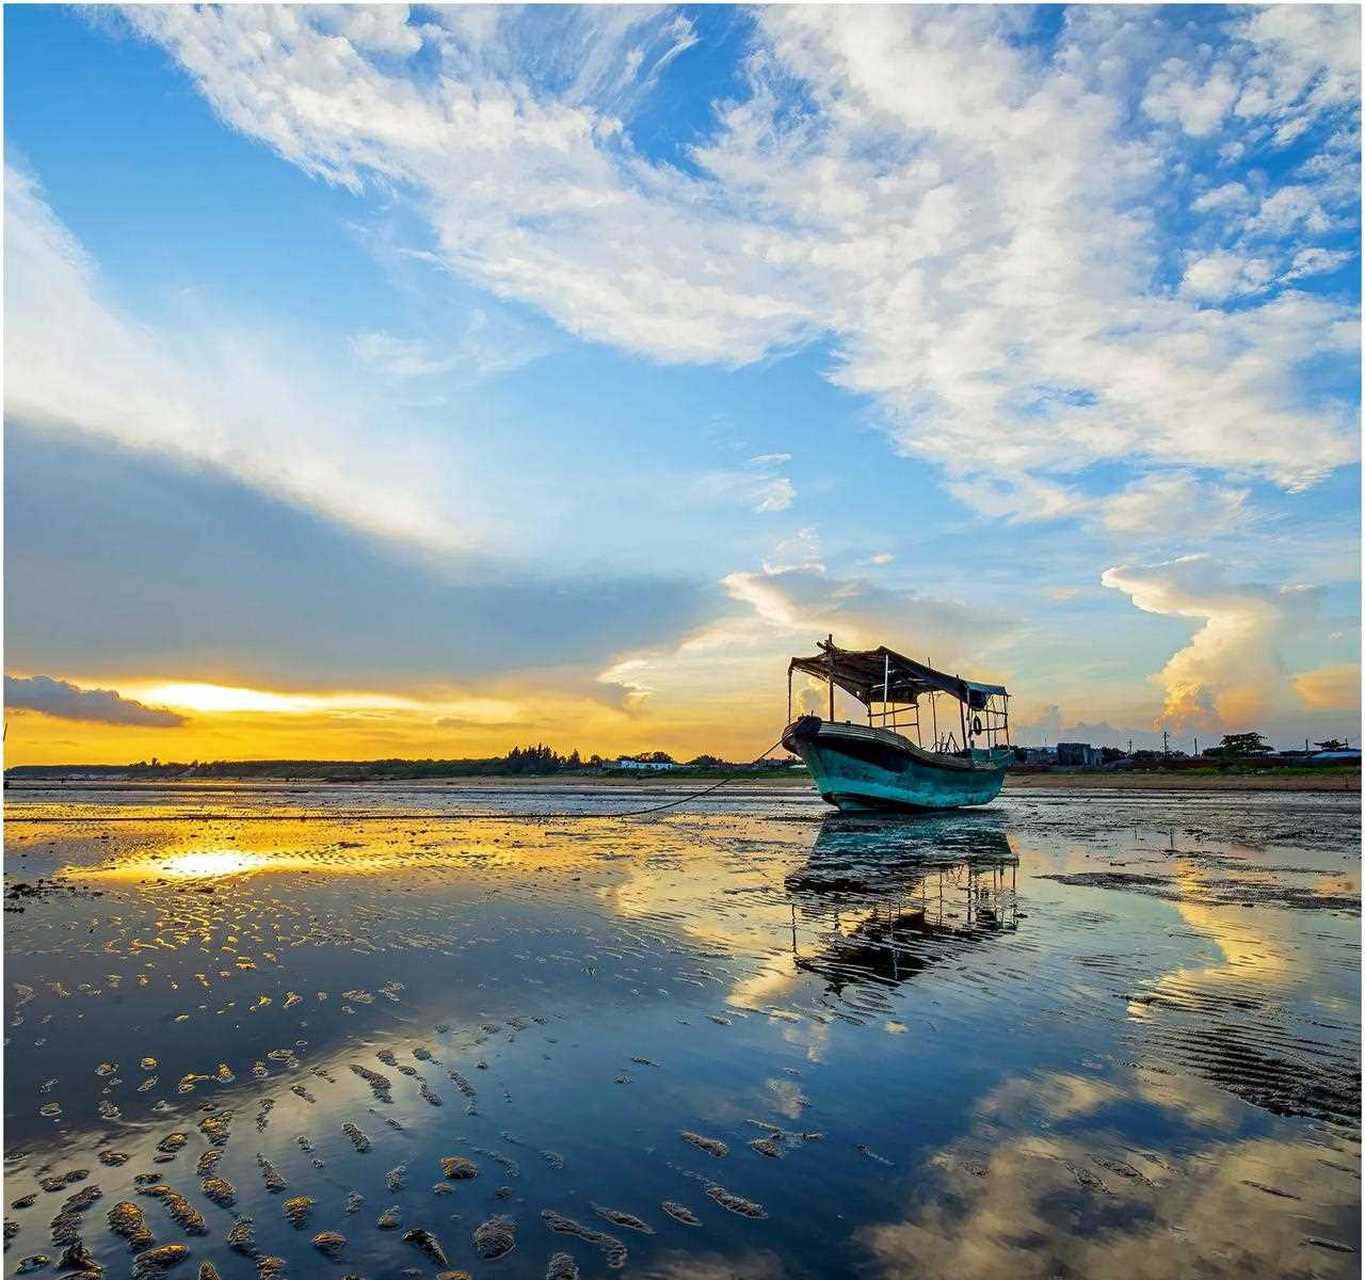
(66, 701)
(784, 609)
(1230, 195)
(1330, 688)
(979, 241)
(1220, 275)
(1227, 677)
(1307, 61)
(1313, 262)
(1178, 93)
(810, 602)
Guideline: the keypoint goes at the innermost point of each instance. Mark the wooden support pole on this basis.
(830, 651)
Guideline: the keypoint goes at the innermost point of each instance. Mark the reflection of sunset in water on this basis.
(210, 862)
(1017, 1077)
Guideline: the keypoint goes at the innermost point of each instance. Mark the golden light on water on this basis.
(200, 863)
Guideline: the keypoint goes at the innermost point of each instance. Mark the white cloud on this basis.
(1178, 94)
(1162, 504)
(1158, 506)
(1307, 61)
(974, 226)
(781, 610)
(777, 494)
(760, 485)
(382, 29)
(1221, 275)
(1314, 262)
(1290, 209)
(1229, 676)
(800, 550)
(207, 393)
(1231, 195)
(400, 357)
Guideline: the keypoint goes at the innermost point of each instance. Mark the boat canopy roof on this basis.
(883, 675)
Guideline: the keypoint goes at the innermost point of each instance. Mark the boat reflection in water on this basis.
(886, 900)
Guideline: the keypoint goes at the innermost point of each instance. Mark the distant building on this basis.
(655, 766)
(1079, 755)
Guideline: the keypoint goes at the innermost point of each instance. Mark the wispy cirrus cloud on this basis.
(66, 701)
(982, 242)
(74, 360)
(761, 484)
(485, 345)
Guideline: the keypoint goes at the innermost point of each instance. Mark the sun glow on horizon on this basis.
(195, 696)
(210, 698)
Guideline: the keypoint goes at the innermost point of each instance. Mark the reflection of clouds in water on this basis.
(1018, 1205)
(787, 1098)
(776, 978)
(486, 922)
(1057, 1096)
(749, 1265)
(1256, 948)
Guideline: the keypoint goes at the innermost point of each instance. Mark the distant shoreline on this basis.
(1324, 778)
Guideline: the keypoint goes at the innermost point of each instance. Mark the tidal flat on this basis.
(396, 1030)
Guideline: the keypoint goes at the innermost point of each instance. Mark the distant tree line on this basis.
(538, 759)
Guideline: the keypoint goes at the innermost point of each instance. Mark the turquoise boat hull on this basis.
(862, 769)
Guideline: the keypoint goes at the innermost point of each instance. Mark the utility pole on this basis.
(1196, 746)
(1165, 745)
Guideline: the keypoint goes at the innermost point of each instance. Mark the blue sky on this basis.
(627, 351)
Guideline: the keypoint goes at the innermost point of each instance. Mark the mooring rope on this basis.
(696, 795)
(343, 816)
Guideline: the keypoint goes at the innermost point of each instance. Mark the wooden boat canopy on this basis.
(882, 675)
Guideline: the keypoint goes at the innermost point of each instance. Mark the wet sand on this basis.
(294, 1030)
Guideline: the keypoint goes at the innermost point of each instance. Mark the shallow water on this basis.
(1069, 1035)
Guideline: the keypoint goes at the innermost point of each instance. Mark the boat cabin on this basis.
(903, 695)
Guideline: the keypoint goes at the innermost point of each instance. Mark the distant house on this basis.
(1079, 755)
(649, 766)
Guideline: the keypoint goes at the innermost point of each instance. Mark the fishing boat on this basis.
(885, 764)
